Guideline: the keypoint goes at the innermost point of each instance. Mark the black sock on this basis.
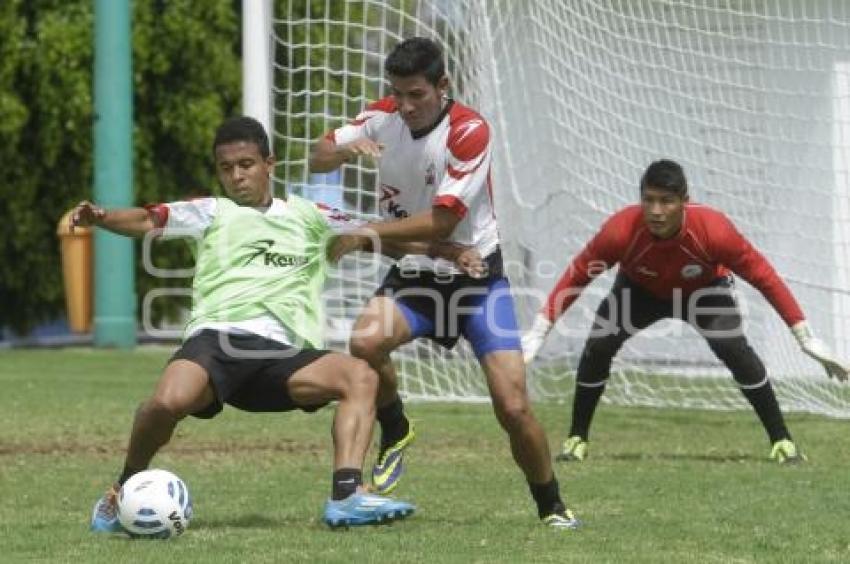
(584, 404)
(547, 497)
(345, 482)
(764, 403)
(126, 473)
(394, 425)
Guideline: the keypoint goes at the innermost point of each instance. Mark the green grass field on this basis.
(660, 486)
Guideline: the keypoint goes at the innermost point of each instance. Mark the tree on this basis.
(186, 76)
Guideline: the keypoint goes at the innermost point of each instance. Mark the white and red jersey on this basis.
(448, 167)
(706, 248)
(191, 218)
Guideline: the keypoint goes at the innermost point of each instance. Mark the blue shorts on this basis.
(444, 309)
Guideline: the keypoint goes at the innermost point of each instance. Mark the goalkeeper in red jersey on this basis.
(676, 260)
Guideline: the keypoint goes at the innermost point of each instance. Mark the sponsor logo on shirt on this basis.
(646, 272)
(334, 214)
(466, 128)
(431, 175)
(271, 258)
(691, 271)
(393, 208)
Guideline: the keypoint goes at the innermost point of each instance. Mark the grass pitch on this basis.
(659, 486)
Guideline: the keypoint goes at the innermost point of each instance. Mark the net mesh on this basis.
(752, 97)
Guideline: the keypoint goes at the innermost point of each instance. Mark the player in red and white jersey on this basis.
(676, 260)
(445, 164)
(433, 158)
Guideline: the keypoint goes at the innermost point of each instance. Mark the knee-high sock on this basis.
(584, 405)
(763, 400)
(394, 425)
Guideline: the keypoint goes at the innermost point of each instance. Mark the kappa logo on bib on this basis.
(271, 258)
(691, 271)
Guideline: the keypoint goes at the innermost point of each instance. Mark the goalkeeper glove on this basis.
(818, 350)
(533, 339)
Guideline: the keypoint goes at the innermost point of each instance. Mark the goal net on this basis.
(752, 97)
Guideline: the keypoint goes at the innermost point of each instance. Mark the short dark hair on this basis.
(416, 55)
(242, 128)
(665, 175)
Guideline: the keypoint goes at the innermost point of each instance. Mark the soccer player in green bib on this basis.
(254, 338)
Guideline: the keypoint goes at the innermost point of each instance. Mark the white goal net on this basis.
(752, 97)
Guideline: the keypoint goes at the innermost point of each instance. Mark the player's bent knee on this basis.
(368, 348)
(361, 379)
(592, 378)
(151, 411)
(595, 364)
(164, 409)
(600, 350)
(728, 347)
(734, 352)
(512, 413)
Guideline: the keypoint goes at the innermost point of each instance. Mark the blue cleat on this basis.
(104, 517)
(365, 509)
(387, 471)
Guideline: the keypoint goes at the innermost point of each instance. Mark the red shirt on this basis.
(706, 248)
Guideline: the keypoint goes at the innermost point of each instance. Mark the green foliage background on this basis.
(186, 79)
(186, 76)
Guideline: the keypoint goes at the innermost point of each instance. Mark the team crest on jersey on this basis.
(691, 271)
(431, 175)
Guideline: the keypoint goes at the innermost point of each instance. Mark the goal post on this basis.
(257, 61)
(752, 97)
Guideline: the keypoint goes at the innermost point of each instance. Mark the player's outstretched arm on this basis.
(467, 259)
(131, 222)
(820, 351)
(432, 225)
(328, 156)
(746, 261)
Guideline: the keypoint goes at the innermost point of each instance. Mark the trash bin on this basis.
(76, 251)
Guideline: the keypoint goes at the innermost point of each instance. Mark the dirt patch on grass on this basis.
(55, 448)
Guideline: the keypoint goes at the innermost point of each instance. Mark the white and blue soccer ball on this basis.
(154, 504)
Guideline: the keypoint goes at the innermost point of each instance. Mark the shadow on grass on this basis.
(717, 457)
(253, 521)
(264, 522)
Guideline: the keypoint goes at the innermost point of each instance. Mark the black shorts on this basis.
(646, 309)
(712, 311)
(246, 371)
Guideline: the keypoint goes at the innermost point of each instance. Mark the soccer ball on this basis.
(154, 504)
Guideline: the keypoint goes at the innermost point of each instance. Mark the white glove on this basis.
(818, 350)
(533, 339)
